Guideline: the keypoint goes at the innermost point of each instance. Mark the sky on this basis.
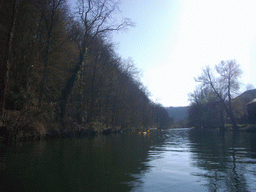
(174, 39)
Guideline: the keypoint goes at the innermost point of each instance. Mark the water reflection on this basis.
(102, 163)
(175, 160)
(226, 160)
(194, 161)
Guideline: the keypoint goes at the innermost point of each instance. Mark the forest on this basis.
(59, 71)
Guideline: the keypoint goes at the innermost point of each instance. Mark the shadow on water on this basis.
(102, 163)
(228, 160)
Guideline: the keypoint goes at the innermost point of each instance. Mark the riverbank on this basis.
(29, 125)
(37, 131)
(248, 128)
(229, 127)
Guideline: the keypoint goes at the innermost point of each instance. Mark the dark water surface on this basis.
(175, 160)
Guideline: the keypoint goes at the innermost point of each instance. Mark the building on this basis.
(251, 110)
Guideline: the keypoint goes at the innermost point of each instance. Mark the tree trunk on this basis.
(7, 16)
(50, 24)
(222, 126)
(68, 88)
(228, 108)
(93, 96)
(42, 83)
(231, 115)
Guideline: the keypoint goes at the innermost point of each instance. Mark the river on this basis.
(173, 160)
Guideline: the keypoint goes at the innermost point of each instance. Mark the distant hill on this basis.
(177, 113)
(181, 113)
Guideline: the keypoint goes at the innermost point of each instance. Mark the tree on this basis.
(7, 23)
(205, 110)
(62, 62)
(224, 84)
(49, 19)
(95, 20)
(249, 86)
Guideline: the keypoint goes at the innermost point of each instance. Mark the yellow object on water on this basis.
(139, 132)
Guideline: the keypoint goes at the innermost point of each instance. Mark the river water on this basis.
(173, 160)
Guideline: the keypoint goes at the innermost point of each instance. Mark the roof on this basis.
(253, 101)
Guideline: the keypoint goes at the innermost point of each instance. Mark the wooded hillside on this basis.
(60, 70)
(178, 113)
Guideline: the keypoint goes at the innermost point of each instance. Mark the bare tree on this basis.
(48, 11)
(224, 84)
(95, 18)
(206, 110)
(249, 86)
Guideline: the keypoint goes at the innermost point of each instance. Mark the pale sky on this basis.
(174, 40)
